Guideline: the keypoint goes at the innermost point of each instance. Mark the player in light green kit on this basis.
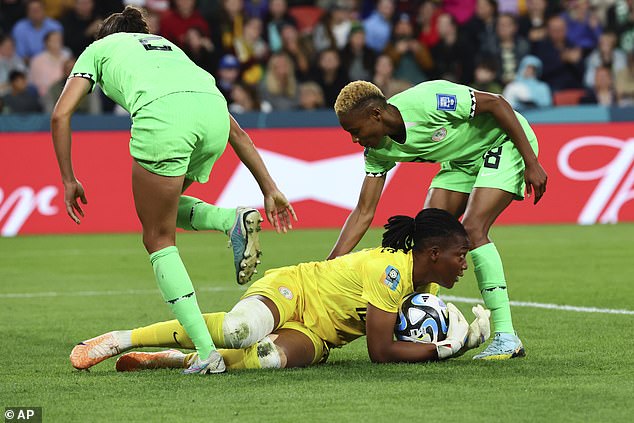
(180, 126)
(488, 156)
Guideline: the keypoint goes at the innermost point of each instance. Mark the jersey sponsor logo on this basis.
(392, 277)
(446, 102)
(439, 135)
(286, 293)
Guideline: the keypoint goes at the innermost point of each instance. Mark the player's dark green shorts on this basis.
(501, 167)
(182, 133)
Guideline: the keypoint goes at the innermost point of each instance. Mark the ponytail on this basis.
(399, 233)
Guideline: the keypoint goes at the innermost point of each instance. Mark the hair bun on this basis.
(131, 12)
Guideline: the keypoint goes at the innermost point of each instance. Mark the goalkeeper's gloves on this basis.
(479, 329)
(456, 334)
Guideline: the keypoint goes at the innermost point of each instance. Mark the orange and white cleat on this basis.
(93, 351)
(133, 361)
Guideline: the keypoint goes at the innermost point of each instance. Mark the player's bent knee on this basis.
(477, 233)
(156, 242)
(248, 322)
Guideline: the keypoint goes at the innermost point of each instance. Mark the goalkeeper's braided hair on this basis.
(429, 226)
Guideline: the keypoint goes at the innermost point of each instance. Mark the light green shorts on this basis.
(182, 133)
(501, 167)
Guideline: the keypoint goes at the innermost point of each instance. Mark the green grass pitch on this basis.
(58, 290)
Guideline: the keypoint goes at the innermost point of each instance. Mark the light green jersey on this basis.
(441, 126)
(135, 69)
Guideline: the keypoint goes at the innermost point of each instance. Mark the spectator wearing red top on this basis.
(428, 13)
(179, 18)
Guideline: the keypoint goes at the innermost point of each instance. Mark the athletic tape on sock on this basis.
(268, 354)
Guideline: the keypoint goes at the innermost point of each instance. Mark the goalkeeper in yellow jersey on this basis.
(294, 315)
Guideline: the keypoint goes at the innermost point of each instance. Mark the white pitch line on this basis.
(108, 293)
(467, 300)
(547, 306)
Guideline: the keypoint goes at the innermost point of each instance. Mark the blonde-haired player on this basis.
(488, 156)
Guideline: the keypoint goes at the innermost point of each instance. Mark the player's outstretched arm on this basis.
(279, 211)
(504, 114)
(360, 218)
(74, 91)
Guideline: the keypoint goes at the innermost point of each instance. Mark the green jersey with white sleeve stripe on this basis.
(441, 126)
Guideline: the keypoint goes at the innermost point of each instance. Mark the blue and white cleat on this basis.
(503, 347)
(213, 364)
(245, 240)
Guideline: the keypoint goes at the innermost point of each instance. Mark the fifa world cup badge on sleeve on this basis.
(446, 102)
(392, 277)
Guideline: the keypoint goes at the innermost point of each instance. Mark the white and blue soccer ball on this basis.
(422, 318)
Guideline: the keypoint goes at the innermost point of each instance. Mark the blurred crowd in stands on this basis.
(280, 55)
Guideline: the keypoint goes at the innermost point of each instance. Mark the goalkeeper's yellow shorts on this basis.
(284, 290)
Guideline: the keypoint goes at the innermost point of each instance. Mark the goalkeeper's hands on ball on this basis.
(462, 337)
(457, 334)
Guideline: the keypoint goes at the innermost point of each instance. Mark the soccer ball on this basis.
(422, 318)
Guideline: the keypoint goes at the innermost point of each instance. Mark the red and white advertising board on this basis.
(590, 168)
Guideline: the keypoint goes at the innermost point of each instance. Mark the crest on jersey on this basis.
(287, 293)
(392, 277)
(446, 102)
(439, 134)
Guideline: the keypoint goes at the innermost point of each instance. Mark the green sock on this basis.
(196, 215)
(489, 272)
(178, 292)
